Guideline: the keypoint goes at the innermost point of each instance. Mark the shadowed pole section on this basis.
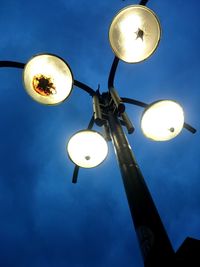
(155, 245)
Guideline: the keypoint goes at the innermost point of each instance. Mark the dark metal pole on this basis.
(155, 245)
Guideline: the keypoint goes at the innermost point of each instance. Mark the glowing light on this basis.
(87, 148)
(163, 120)
(47, 79)
(134, 33)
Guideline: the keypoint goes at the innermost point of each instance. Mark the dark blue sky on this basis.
(45, 219)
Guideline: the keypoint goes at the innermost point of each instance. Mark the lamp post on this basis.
(134, 36)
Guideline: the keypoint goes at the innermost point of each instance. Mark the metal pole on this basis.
(155, 245)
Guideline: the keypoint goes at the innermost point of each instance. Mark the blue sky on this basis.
(45, 219)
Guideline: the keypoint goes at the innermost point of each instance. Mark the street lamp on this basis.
(47, 79)
(87, 148)
(134, 35)
(162, 120)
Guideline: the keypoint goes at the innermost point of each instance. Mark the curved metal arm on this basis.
(189, 128)
(112, 72)
(85, 87)
(134, 102)
(91, 123)
(114, 95)
(144, 105)
(143, 2)
(12, 64)
(75, 174)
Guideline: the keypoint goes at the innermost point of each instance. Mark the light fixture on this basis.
(87, 148)
(162, 120)
(48, 79)
(134, 33)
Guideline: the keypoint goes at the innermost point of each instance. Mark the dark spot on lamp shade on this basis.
(140, 34)
(43, 85)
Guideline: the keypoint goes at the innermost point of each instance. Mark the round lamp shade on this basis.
(87, 148)
(162, 120)
(48, 79)
(134, 33)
